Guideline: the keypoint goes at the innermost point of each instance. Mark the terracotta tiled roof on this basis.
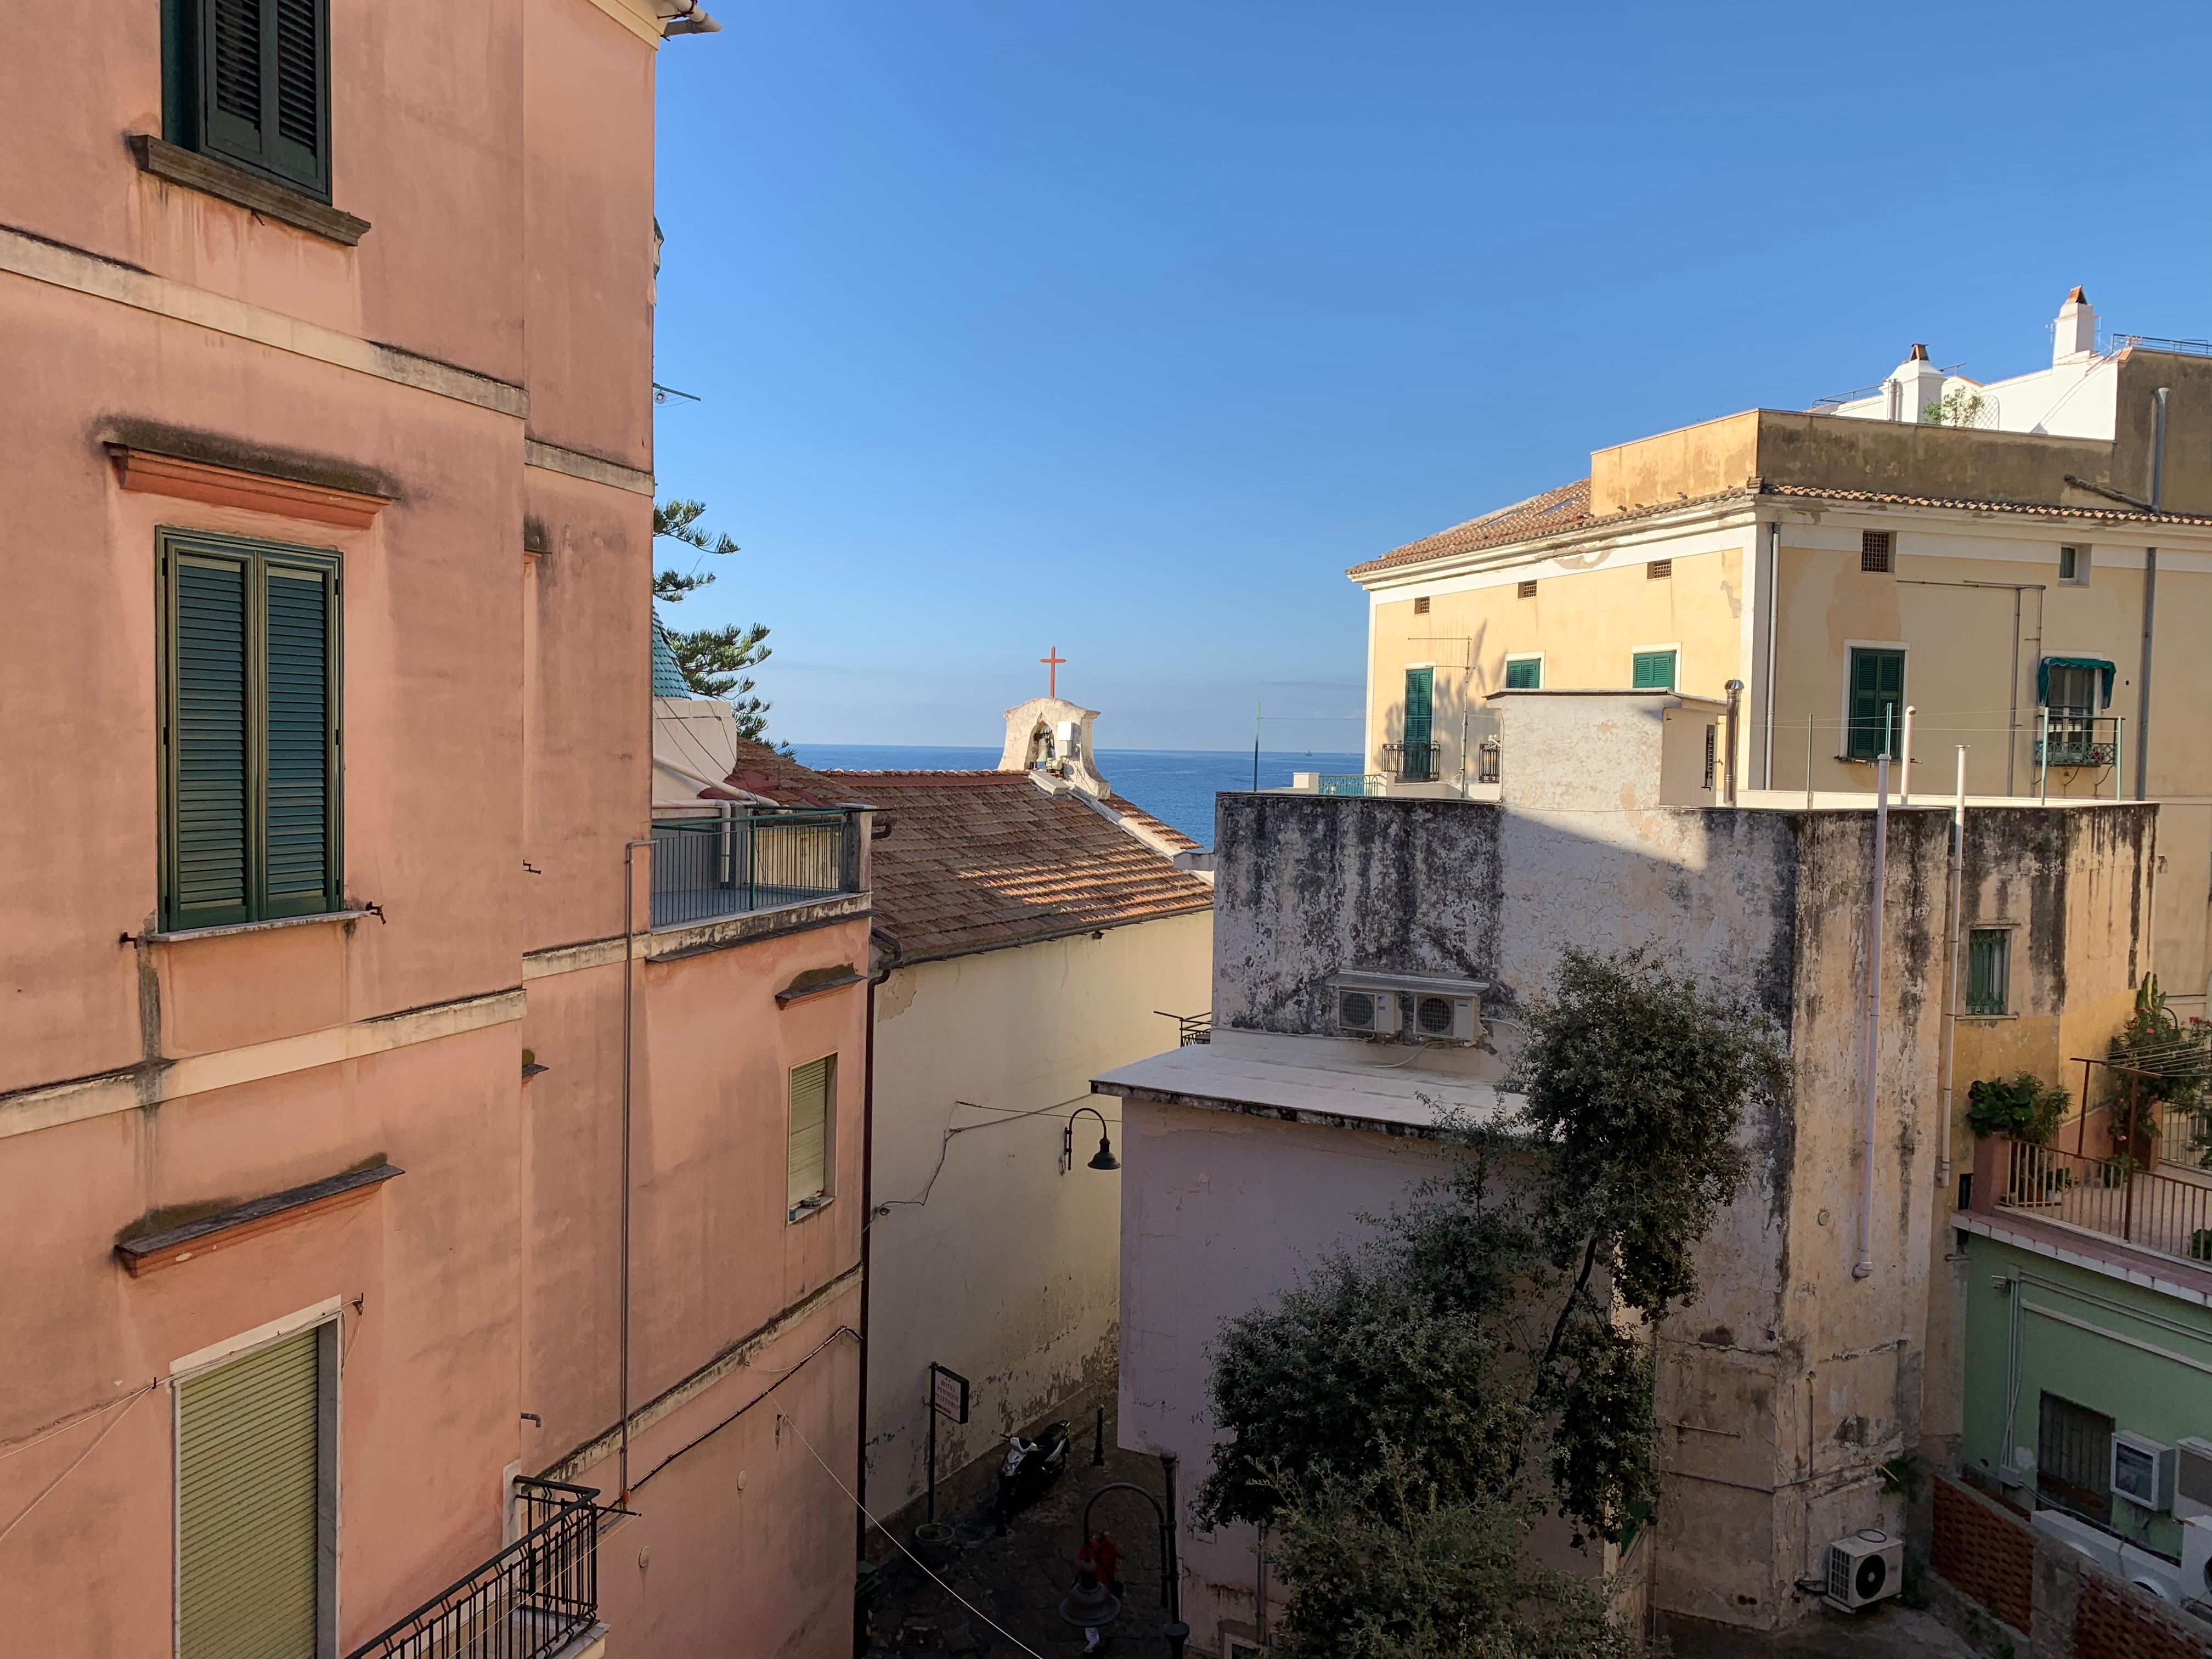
(2044, 509)
(1555, 509)
(977, 861)
(762, 771)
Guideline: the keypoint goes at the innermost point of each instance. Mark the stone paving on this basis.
(1017, 1581)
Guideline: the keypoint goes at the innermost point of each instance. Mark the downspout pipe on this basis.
(628, 1063)
(1766, 695)
(891, 953)
(1953, 933)
(1864, 1266)
(1727, 773)
(2150, 595)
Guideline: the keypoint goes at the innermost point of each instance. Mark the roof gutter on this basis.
(692, 20)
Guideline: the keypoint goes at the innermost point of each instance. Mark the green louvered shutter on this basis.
(1652, 670)
(299, 759)
(1877, 702)
(209, 843)
(251, 1557)
(807, 1163)
(264, 88)
(1524, 673)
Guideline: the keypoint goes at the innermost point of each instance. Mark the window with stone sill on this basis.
(247, 82)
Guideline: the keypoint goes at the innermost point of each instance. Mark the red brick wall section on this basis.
(2108, 1626)
(1990, 1558)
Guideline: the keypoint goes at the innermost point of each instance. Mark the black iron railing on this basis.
(1412, 763)
(537, 1594)
(2078, 739)
(1190, 1028)
(705, 868)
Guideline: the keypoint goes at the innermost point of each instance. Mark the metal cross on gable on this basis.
(1053, 666)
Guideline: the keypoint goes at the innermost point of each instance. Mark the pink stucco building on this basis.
(392, 1120)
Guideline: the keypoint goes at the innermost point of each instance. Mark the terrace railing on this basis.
(2170, 1215)
(708, 868)
(1352, 783)
(1411, 762)
(536, 1595)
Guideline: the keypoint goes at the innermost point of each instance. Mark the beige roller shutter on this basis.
(809, 1161)
(249, 1500)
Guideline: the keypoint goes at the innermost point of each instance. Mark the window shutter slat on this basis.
(296, 772)
(807, 1165)
(248, 1502)
(300, 81)
(235, 61)
(1652, 670)
(208, 758)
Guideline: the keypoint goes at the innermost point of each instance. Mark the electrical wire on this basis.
(945, 1145)
(133, 1398)
(782, 1377)
(83, 1416)
(781, 1419)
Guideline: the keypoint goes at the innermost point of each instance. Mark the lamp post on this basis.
(1170, 1586)
(1103, 1158)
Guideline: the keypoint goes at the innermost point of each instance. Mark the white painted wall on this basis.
(1010, 1272)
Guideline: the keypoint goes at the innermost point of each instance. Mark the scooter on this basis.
(1029, 1469)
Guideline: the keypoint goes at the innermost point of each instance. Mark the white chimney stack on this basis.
(1913, 385)
(2075, 338)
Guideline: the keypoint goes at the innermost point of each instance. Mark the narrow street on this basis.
(1017, 1581)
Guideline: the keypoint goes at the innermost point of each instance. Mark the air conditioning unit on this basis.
(1366, 1012)
(2143, 1472)
(1438, 1018)
(2192, 1478)
(2196, 1560)
(1868, 1566)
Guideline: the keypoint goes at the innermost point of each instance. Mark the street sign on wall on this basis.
(948, 1393)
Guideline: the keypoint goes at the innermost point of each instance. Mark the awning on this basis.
(2102, 665)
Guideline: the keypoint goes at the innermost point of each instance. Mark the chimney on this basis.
(1913, 384)
(2073, 339)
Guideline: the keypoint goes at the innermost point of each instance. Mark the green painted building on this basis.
(2064, 1353)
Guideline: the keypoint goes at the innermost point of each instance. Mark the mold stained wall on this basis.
(1010, 1272)
(1789, 1376)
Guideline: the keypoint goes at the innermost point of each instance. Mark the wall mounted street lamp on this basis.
(1103, 1158)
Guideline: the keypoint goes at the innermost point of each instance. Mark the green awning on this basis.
(2102, 665)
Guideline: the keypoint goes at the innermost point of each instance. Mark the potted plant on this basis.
(2156, 1060)
(2026, 1110)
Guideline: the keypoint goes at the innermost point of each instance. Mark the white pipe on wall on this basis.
(1905, 761)
(1953, 933)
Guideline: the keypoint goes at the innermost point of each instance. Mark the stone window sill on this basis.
(172, 1245)
(203, 172)
(812, 1206)
(246, 927)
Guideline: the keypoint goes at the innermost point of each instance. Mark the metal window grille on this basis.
(1528, 590)
(2073, 1454)
(1658, 570)
(1874, 551)
(1712, 752)
(1989, 969)
(1421, 605)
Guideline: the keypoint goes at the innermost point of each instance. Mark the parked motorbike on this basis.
(1029, 1469)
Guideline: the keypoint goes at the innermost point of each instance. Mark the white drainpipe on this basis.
(1953, 933)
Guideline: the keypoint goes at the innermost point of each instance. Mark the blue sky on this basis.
(1126, 328)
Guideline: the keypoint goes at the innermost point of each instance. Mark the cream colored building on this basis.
(1840, 567)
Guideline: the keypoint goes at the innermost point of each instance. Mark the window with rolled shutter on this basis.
(257, 1504)
(258, 73)
(810, 1158)
(250, 731)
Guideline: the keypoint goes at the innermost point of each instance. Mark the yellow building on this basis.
(1999, 574)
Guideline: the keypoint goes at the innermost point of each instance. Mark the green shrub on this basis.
(2024, 1107)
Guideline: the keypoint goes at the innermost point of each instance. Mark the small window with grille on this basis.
(1712, 753)
(1874, 551)
(2073, 1458)
(1421, 605)
(1528, 589)
(1658, 570)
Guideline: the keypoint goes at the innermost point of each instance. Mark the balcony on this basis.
(529, 1601)
(2164, 1210)
(704, 869)
(1410, 763)
(2075, 739)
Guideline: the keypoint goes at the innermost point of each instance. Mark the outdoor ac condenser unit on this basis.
(1366, 1012)
(1866, 1566)
(2192, 1478)
(1442, 1018)
(2196, 1559)
(2143, 1472)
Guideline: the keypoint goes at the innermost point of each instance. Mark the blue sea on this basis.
(1176, 785)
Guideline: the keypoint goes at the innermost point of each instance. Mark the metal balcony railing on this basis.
(2168, 1214)
(1352, 783)
(1411, 762)
(1190, 1028)
(2078, 739)
(537, 1594)
(707, 868)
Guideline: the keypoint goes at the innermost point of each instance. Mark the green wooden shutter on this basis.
(210, 780)
(1420, 704)
(807, 1165)
(1652, 670)
(1524, 674)
(298, 749)
(1877, 702)
(264, 88)
(249, 1501)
